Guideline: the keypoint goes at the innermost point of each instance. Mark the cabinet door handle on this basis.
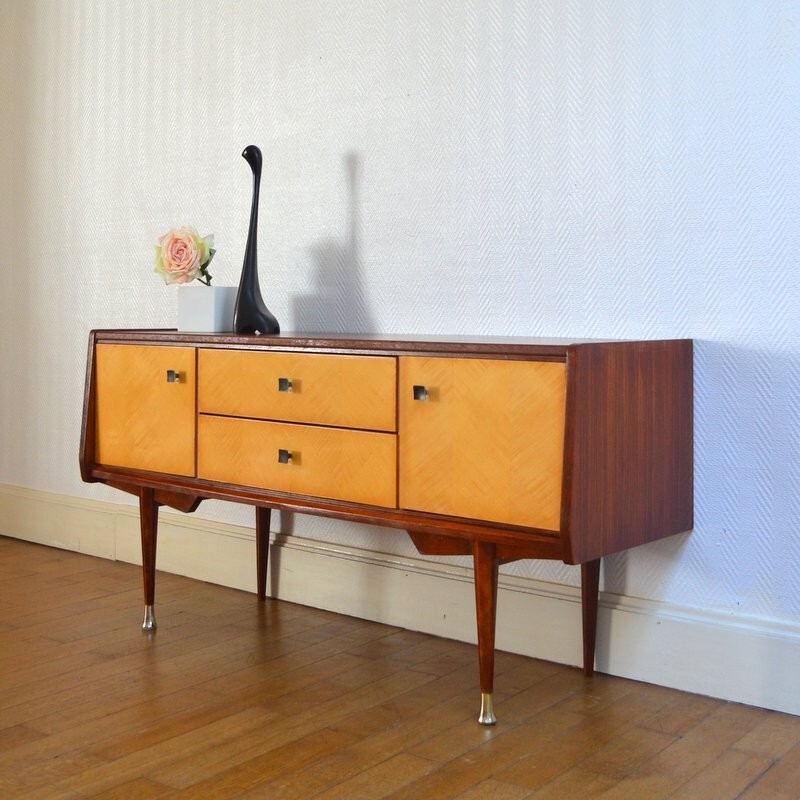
(420, 393)
(284, 385)
(284, 456)
(173, 376)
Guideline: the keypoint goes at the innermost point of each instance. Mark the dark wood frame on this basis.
(627, 475)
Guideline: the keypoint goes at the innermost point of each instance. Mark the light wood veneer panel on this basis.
(487, 443)
(339, 390)
(143, 421)
(335, 463)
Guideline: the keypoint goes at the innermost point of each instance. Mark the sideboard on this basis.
(497, 448)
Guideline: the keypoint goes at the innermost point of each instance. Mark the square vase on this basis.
(206, 309)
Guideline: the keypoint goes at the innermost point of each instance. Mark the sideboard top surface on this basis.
(389, 343)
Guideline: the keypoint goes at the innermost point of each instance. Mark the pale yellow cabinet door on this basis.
(482, 439)
(146, 407)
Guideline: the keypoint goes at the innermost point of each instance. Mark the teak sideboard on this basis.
(498, 448)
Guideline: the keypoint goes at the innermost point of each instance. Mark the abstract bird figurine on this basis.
(250, 314)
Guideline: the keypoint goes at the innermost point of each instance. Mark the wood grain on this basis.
(343, 391)
(142, 420)
(356, 466)
(629, 452)
(487, 442)
(309, 704)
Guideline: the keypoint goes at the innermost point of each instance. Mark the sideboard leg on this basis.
(590, 585)
(262, 550)
(486, 563)
(148, 521)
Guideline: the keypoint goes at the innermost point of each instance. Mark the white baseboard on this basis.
(747, 661)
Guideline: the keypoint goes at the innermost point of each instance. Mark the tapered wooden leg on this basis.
(485, 560)
(590, 585)
(262, 550)
(148, 521)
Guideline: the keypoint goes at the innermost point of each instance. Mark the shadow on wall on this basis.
(337, 302)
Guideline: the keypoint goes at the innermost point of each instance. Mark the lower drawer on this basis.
(334, 463)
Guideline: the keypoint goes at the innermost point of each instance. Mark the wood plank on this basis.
(379, 780)
(555, 756)
(726, 778)
(576, 783)
(780, 781)
(494, 789)
(695, 752)
(774, 736)
(137, 789)
(292, 757)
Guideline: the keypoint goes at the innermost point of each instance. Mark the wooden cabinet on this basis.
(497, 448)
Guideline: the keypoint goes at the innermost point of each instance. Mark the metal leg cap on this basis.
(149, 622)
(486, 717)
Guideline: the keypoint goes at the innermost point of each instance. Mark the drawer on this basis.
(335, 463)
(337, 390)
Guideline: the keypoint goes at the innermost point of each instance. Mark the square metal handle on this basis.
(420, 393)
(284, 456)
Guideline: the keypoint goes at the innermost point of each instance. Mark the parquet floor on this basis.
(232, 698)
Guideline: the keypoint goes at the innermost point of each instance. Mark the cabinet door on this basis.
(482, 439)
(146, 407)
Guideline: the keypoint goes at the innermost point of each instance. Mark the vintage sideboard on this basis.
(498, 448)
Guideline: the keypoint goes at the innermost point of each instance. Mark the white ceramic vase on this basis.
(206, 309)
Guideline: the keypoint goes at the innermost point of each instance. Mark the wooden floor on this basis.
(233, 698)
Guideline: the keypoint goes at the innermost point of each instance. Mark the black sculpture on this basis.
(250, 314)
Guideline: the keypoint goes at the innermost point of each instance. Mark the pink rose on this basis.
(182, 255)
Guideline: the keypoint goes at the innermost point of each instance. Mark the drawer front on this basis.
(483, 439)
(144, 420)
(342, 391)
(334, 463)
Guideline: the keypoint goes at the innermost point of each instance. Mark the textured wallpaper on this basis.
(554, 167)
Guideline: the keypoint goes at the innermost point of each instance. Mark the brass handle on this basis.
(173, 376)
(420, 393)
(284, 456)
(284, 385)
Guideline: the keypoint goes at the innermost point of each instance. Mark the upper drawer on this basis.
(337, 390)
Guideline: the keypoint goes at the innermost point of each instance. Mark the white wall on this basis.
(552, 167)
